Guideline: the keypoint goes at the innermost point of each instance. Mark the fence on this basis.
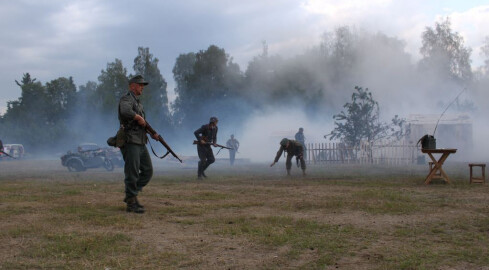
(334, 152)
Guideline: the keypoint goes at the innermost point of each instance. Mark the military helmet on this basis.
(213, 119)
(301, 129)
(284, 142)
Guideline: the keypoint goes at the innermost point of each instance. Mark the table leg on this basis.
(433, 170)
(437, 166)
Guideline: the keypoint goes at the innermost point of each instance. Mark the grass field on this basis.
(245, 217)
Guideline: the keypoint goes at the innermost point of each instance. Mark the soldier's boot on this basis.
(199, 170)
(304, 173)
(133, 206)
(203, 174)
(140, 205)
(288, 172)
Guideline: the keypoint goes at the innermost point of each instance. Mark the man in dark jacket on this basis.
(207, 136)
(293, 148)
(138, 168)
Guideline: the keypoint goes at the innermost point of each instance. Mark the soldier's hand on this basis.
(140, 120)
(155, 136)
(214, 145)
(202, 142)
(271, 165)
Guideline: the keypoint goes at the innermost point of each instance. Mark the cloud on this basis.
(78, 38)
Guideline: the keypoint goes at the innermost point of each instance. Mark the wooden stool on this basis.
(475, 179)
(437, 174)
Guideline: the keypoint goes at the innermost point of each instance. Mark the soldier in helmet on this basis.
(293, 148)
(207, 136)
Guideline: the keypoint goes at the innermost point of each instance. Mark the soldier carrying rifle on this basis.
(206, 136)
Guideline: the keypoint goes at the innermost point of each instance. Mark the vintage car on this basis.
(89, 155)
(14, 150)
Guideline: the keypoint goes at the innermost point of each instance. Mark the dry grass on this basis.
(246, 217)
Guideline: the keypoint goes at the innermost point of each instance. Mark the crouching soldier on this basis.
(293, 148)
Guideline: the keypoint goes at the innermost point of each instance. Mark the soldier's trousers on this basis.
(288, 162)
(232, 155)
(138, 168)
(206, 157)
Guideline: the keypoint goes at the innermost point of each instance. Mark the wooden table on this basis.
(438, 163)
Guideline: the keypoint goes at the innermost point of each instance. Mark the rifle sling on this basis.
(154, 153)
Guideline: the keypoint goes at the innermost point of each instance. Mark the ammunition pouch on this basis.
(119, 140)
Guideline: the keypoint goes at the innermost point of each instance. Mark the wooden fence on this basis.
(334, 152)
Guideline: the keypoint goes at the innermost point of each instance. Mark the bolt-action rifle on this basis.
(151, 131)
(215, 145)
(2, 152)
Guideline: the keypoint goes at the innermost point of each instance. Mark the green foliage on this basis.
(112, 85)
(40, 115)
(360, 121)
(444, 52)
(206, 82)
(155, 98)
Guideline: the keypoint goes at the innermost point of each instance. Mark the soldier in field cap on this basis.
(138, 168)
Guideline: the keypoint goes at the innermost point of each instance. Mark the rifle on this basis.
(2, 152)
(215, 145)
(151, 131)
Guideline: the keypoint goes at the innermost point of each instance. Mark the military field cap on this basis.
(301, 129)
(138, 79)
(213, 119)
(284, 142)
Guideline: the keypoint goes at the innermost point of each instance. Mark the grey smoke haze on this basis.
(52, 39)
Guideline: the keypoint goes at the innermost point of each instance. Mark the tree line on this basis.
(49, 116)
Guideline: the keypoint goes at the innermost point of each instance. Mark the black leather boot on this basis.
(133, 206)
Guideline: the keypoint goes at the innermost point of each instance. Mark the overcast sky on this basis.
(55, 38)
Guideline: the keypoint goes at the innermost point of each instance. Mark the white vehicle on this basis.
(15, 150)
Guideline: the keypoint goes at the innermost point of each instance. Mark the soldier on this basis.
(138, 168)
(299, 136)
(293, 148)
(234, 145)
(1, 149)
(207, 136)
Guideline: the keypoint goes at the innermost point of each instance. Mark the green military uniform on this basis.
(138, 168)
(294, 148)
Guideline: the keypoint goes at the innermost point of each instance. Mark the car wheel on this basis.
(75, 165)
(108, 165)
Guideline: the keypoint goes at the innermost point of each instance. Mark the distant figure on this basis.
(207, 136)
(293, 148)
(1, 149)
(234, 144)
(299, 136)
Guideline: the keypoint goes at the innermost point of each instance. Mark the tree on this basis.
(155, 98)
(360, 121)
(211, 86)
(444, 53)
(113, 83)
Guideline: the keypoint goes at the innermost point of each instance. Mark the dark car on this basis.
(89, 155)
